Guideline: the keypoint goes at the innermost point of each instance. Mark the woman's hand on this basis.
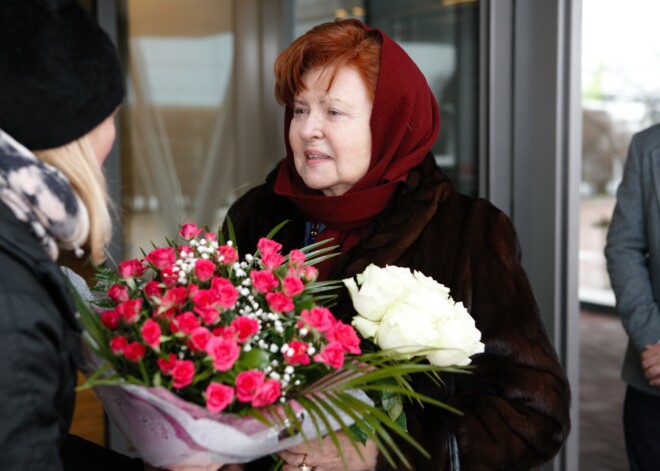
(322, 455)
(651, 364)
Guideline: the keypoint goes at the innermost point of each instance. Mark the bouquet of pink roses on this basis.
(210, 357)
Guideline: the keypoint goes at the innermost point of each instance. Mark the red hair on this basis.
(342, 43)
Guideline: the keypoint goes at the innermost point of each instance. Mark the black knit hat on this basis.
(59, 72)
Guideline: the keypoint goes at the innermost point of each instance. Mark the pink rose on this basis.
(273, 260)
(269, 393)
(209, 314)
(245, 327)
(183, 373)
(207, 305)
(210, 236)
(332, 355)
(226, 291)
(135, 351)
(279, 302)
(190, 231)
(292, 286)
(152, 290)
(110, 319)
(185, 250)
(248, 384)
(151, 333)
(185, 322)
(204, 269)
(173, 299)
(161, 257)
(169, 276)
(129, 310)
(118, 344)
(192, 290)
(311, 274)
(264, 281)
(297, 258)
(224, 352)
(129, 269)
(268, 246)
(167, 365)
(346, 336)
(218, 397)
(319, 318)
(227, 255)
(199, 338)
(224, 332)
(118, 293)
(297, 353)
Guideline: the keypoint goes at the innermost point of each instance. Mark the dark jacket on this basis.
(516, 404)
(39, 358)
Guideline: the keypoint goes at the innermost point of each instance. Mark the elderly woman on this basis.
(360, 121)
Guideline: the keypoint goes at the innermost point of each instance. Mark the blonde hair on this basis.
(79, 163)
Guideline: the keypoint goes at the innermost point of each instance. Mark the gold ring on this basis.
(304, 466)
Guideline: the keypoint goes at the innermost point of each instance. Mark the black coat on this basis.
(516, 404)
(39, 356)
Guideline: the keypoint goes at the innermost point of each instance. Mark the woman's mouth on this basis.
(316, 156)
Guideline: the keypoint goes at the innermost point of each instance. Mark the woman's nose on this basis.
(312, 128)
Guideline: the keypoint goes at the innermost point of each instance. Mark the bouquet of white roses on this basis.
(409, 314)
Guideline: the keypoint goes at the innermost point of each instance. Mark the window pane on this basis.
(621, 95)
(174, 119)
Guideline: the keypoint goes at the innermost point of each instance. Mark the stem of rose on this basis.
(143, 370)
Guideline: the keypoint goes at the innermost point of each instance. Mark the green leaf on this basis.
(254, 359)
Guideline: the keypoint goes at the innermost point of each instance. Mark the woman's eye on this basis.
(334, 113)
(299, 111)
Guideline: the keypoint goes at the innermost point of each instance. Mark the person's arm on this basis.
(30, 380)
(627, 256)
(79, 454)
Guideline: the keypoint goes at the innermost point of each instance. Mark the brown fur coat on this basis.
(516, 404)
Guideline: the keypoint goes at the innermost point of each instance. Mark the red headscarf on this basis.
(404, 125)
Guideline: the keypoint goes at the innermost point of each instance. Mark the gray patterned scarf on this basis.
(41, 196)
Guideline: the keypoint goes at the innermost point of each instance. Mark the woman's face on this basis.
(102, 137)
(330, 133)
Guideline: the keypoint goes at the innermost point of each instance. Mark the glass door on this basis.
(176, 121)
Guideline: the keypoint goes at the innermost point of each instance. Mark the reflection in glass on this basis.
(176, 119)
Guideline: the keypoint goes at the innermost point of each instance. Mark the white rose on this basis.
(367, 328)
(378, 289)
(459, 338)
(411, 326)
(406, 329)
(412, 314)
(431, 284)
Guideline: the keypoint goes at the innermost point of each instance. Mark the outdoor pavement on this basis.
(603, 343)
